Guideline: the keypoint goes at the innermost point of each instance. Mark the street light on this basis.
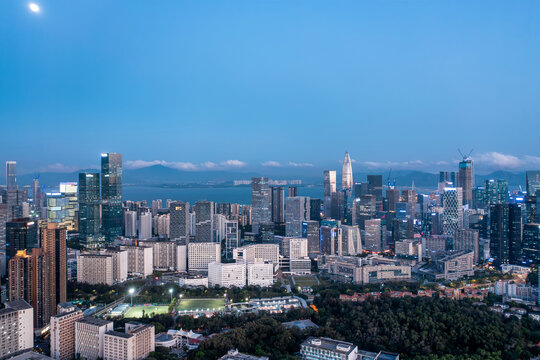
(170, 292)
(131, 291)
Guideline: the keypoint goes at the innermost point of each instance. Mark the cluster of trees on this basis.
(428, 328)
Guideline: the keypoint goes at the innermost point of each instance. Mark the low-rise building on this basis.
(236, 355)
(327, 349)
(227, 274)
(136, 343)
(260, 273)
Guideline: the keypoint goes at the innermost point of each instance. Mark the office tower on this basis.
(17, 328)
(467, 239)
(232, 237)
(278, 204)
(402, 229)
(297, 211)
(155, 205)
(452, 202)
(499, 227)
(225, 209)
(89, 335)
(202, 254)
(62, 206)
(62, 330)
(364, 208)
(21, 234)
(179, 220)
(204, 221)
(111, 195)
(315, 209)
(347, 174)
(130, 223)
(466, 179)
(311, 231)
(408, 196)
(373, 239)
(531, 244)
(11, 174)
(89, 209)
(227, 275)
(338, 205)
(260, 203)
(447, 176)
(331, 240)
(515, 233)
(532, 178)
(496, 192)
(374, 186)
(145, 225)
(36, 194)
(392, 195)
(329, 183)
(352, 241)
(136, 343)
(54, 246)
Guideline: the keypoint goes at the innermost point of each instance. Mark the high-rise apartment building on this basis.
(136, 343)
(17, 328)
(89, 209)
(54, 246)
(145, 225)
(89, 336)
(111, 195)
(62, 333)
(140, 259)
(227, 274)
(202, 254)
(95, 269)
(260, 203)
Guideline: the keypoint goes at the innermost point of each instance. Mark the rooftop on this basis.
(94, 321)
(330, 344)
(18, 305)
(118, 334)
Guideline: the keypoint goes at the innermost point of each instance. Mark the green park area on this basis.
(202, 304)
(148, 310)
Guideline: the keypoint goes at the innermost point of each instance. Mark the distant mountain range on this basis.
(159, 175)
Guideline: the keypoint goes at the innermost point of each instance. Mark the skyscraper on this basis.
(329, 182)
(466, 179)
(297, 211)
(21, 234)
(498, 215)
(54, 246)
(533, 181)
(347, 174)
(531, 244)
(374, 186)
(36, 195)
(452, 210)
(89, 209)
(515, 233)
(111, 195)
(204, 221)
(278, 204)
(231, 237)
(260, 203)
(496, 192)
(179, 221)
(145, 225)
(11, 174)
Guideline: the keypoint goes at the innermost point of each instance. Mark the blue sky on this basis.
(238, 84)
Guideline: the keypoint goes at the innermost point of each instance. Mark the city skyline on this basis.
(197, 77)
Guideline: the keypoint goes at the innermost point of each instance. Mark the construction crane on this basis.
(465, 157)
(390, 183)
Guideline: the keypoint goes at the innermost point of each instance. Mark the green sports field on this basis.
(137, 311)
(203, 304)
(305, 281)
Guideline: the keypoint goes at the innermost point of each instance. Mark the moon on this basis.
(34, 7)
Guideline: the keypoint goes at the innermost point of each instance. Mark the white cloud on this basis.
(58, 167)
(271, 163)
(294, 164)
(188, 166)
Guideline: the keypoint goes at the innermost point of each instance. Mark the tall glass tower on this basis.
(347, 175)
(89, 208)
(111, 195)
(11, 174)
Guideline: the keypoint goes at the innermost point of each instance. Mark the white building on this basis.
(257, 252)
(130, 223)
(260, 273)
(202, 254)
(95, 269)
(136, 343)
(181, 257)
(351, 240)
(328, 349)
(140, 260)
(17, 324)
(120, 265)
(89, 334)
(227, 274)
(409, 248)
